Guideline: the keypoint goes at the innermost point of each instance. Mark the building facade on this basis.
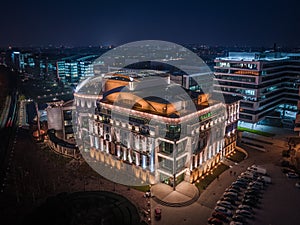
(159, 140)
(60, 129)
(265, 81)
(72, 69)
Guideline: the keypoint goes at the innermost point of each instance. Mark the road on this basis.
(7, 132)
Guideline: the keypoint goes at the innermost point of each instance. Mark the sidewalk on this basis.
(185, 194)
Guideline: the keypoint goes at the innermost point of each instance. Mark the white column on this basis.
(196, 161)
(152, 160)
(137, 159)
(91, 141)
(136, 142)
(129, 156)
(118, 151)
(107, 146)
(124, 154)
(96, 128)
(101, 130)
(97, 142)
(144, 161)
(200, 158)
(91, 126)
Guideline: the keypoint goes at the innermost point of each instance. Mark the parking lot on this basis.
(241, 200)
(281, 200)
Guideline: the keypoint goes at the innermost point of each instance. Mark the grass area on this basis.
(237, 156)
(203, 184)
(141, 188)
(266, 134)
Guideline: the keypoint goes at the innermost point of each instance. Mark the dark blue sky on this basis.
(82, 23)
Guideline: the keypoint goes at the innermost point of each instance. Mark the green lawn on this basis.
(237, 156)
(203, 184)
(266, 134)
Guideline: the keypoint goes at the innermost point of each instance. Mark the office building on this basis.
(72, 69)
(267, 82)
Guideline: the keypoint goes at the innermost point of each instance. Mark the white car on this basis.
(292, 175)
(257, 169)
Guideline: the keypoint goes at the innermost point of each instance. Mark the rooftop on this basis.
(255, 56)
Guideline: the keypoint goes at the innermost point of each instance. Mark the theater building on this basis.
(151, 132)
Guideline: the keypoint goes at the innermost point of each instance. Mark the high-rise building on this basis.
(265, 81)
(72, 69)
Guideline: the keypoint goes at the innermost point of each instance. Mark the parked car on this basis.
(250, 202)
(223, 210)
(232, 190)
(235, 188)
(220, 216)
(244, 213)
(230, 195)
(266, 179)
(286, 170)
(255, 187)
(252, 197)
(292, 175)
(258, 184)
(253, 192)
(239, 218)
(247, 174)
(239, 184)
(236, 223)
(215, 221)
(257, 169)
(225, 204)
(228, 199)
(246, 207)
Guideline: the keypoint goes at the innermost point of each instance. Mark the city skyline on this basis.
(110, 23)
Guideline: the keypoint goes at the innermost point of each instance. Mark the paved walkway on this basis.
(184, 195)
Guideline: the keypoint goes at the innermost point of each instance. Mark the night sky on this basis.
(83, 23)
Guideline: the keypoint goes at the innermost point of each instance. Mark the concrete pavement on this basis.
(184, 195)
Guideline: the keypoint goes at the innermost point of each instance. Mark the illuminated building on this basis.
(180, 136)
(71, 69)
(297, 121)
(60, 129)
(265, 81)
